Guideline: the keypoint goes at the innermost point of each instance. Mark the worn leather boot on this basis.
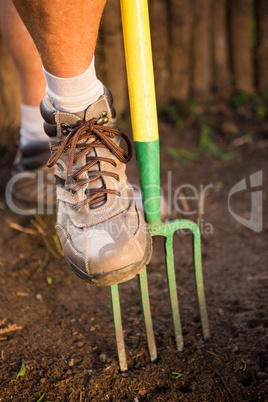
(103, 234)
(32, 181)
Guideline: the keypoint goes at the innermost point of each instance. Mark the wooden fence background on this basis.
(199, 47)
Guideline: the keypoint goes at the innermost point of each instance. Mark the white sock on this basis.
(76, 93)
(32, 125)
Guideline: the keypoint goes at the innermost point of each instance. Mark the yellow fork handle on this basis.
(138, 53)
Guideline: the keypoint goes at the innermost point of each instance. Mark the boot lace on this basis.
(77, 142)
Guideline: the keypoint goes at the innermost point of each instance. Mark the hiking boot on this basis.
(32, 180)
(103, 234)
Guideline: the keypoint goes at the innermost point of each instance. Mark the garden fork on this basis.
(138, 53)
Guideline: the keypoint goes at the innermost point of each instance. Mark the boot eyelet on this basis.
(65, 129)
(102, 119)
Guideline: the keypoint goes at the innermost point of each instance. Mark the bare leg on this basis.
(23, 53)
(64, 33)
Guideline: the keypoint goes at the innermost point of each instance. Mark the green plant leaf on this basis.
(44, 262)
(181, 154)
(240, 98)
(205, 136)
(170, 110)
(56, 240)
(173, 152)
(261, 110)
(49, 280)
(176, 375)
(223, 156)
(192, 156)
(41, 397)
(207, 144)
(22, 371)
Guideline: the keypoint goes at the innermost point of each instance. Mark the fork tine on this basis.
(197, 260)
(171, 277)
(118, 328)
(145, 306)
(168, 229)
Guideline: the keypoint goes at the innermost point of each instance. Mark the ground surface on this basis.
(63, 328)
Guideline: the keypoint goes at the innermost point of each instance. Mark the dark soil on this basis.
(63, 330)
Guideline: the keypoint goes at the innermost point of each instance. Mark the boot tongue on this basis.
(98, 110)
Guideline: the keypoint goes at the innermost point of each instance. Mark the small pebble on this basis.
(103, 357)
(235, 349)
(142, 392)
(79, 336)
(229, 127)
(80, 344)
(92, 328)
(261, 375)
(71, 363)
(42, 380)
